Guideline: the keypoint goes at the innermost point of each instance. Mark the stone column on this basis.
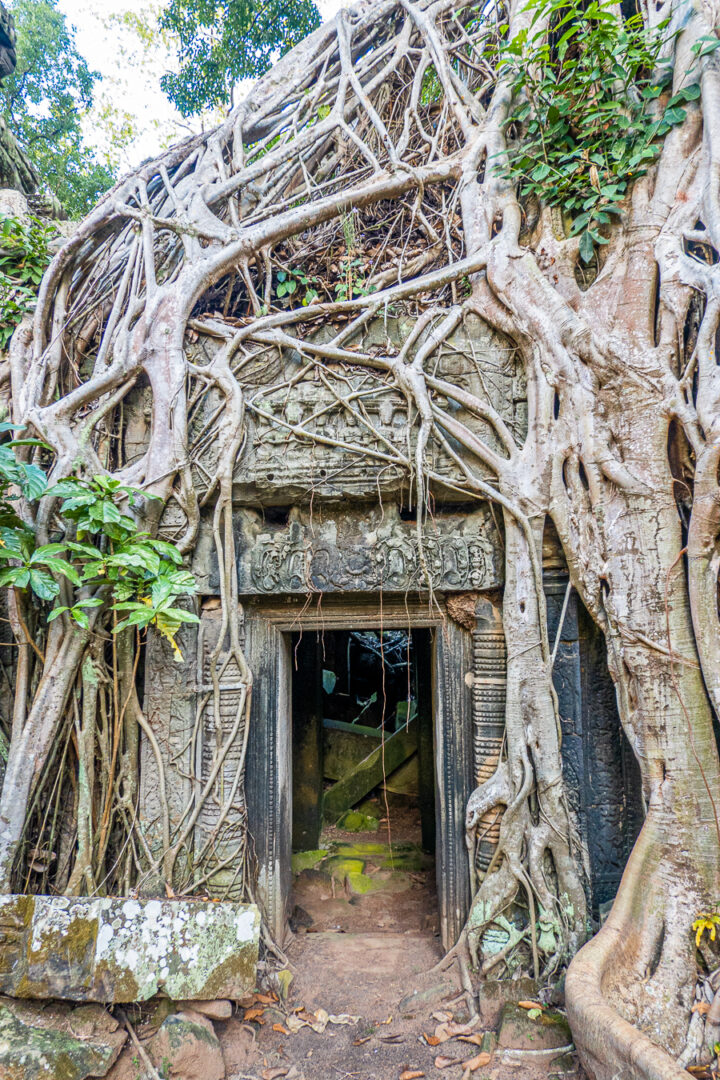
(488, 694)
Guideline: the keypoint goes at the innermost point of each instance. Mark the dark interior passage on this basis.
(363, 780)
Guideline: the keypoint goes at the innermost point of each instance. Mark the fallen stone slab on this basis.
(56, 1042)
(533, 1030)
(123, 950)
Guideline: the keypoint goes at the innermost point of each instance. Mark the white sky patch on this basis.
(129, 94)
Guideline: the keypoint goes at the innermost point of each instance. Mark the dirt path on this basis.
(387, 982)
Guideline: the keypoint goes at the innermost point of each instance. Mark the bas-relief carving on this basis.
(279, 397)
(365, 553)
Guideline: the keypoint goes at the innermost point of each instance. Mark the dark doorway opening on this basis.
(363, 788)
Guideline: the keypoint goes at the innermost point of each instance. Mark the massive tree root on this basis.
(368, 169)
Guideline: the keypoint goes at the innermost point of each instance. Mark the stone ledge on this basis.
(123, 950)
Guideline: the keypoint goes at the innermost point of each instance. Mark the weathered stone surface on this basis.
(120, 950)
(366, 551)
(56, 1042)
(520, 1031)
(214, 1010)
(496, 993)
(187, 1047)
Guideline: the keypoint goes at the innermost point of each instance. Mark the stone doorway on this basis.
(272, 627)
(363, 782)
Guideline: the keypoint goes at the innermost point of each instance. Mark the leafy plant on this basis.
(24, 255)
(351, 283)
(103, 554)
(289, 280)
(589, 120)
(706, 921)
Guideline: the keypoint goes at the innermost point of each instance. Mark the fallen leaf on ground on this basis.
(442, 1017)
(411, 1074)
(392, 1038)
(359, 1042)
(273, 1074)
(701, 1007)
(320, 1021)
(477, 1062)
(279, 1027)
(254, 1013)
(475, 1039)
(530, 1005)
(266, 999)
(284, 979)
(294, 1023)
(451, 1030)
(431, 1040)
(343, 1018)
(445, 1062)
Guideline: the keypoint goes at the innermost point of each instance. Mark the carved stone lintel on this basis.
(367, 552)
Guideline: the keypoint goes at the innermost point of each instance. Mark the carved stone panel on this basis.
(366, 552)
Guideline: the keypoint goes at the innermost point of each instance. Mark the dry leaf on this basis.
(294, 1023)
(392, 1039)
(530, 1005)
(273, 1074)
(450, 1030)
(281, 1028)
(320, 1021)
(266, 999)
(442, 1017)
(359, 1042)
(254, 1013)
(477, 1062)
(475, 1039)
(431, 1040)
(701, 1007)
(343, 1018)
(411, 1074)
(445, 1062)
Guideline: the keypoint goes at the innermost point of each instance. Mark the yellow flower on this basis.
(706, 920)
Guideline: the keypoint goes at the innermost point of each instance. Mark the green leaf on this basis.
(43, 585)
(587, 248)
(59, 566)
(169, 551)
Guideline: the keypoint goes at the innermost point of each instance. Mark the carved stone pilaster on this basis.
(489, 684)
(221, 828)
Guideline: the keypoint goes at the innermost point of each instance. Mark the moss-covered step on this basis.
(121, 950)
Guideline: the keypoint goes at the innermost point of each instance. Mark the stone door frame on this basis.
(269, 622)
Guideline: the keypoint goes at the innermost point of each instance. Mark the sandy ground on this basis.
(372, 958)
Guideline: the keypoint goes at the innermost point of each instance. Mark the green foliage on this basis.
(351, 283)
(109, 561)
(221, 41)
(24, 254)
(589, 120)
(289, 280)
(44, 102)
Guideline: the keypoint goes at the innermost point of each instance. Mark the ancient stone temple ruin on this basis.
(342, 597)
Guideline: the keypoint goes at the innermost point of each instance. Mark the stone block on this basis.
(122, 950)
(521, 1031)
(56, 1042)
(187, 1048)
